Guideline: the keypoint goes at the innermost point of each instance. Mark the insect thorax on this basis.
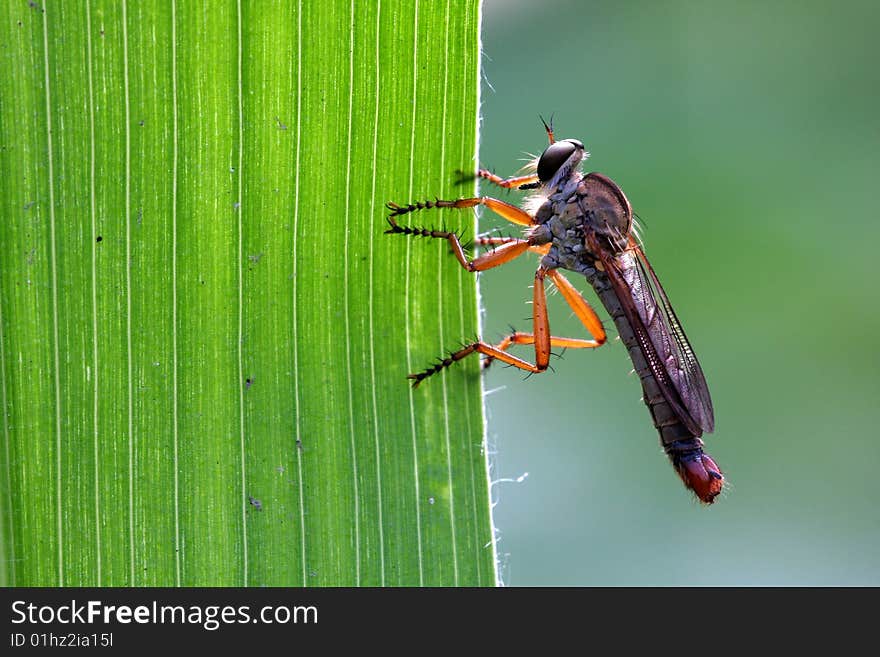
(590, 203)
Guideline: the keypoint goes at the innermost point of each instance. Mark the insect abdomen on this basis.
(697, 470)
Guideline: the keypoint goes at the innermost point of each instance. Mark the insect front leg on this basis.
(515, 182)
(530, 181)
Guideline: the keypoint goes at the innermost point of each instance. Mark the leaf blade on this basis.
(222, 403)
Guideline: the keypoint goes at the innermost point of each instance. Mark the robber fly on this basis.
(584, 223)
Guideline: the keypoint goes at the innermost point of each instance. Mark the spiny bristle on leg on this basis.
(415, 231)
(418, 377)
(441, 364)
(398, 210)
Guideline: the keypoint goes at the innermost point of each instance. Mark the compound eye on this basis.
(554, 157)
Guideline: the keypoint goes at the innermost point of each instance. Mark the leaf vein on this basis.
(54, 274)
(346, 301)
(373, 382)
(240, 170)
(299, 89)
(441, 293)
(130, 375)
(412, 410)
(175, 153)
(95, 345)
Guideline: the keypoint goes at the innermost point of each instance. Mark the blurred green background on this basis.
(746, 137)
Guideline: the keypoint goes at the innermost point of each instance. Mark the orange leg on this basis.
(495, 241)
(517, 337)
(579, 305)
(540, 336)
(515, 182)
(508, 251)
(581, 309)
(507, 183)
(510, 212)
(541, 333)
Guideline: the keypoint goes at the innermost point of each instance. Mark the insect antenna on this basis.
(548, 128)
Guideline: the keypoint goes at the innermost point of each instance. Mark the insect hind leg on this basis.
(474, 348)
(499, 352)
(519, 337)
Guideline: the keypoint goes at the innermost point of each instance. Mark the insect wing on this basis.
(686, 370)
(661, 338)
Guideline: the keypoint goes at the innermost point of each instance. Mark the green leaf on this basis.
(204, 332)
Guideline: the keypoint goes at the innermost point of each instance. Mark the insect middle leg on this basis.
(510, 247)
(509, 250)
(498, 241)
(509, 211)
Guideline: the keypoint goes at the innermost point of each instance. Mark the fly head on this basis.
(558, 160)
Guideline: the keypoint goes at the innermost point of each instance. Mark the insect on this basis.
(584, 223)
